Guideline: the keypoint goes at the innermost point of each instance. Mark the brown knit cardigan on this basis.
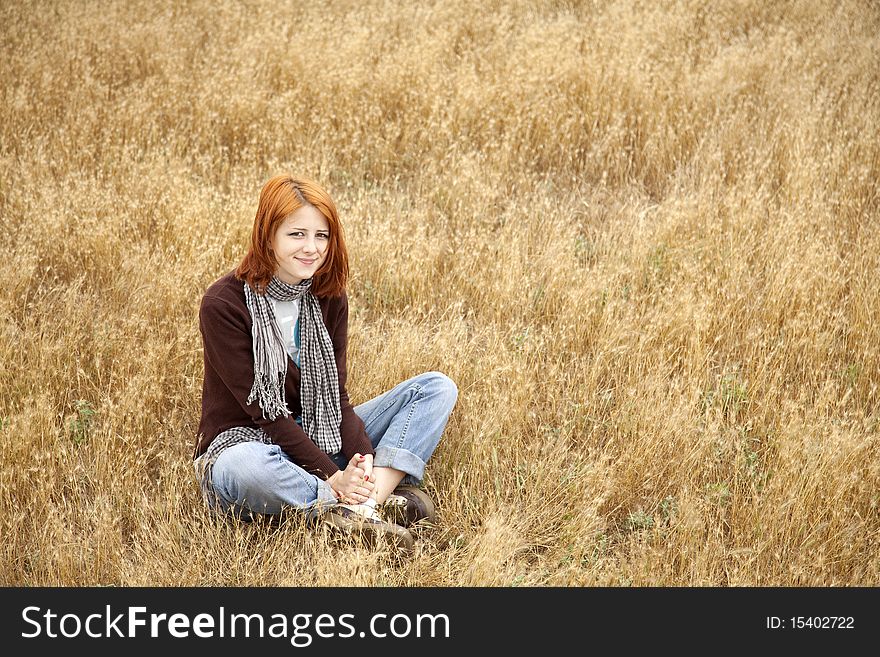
(225, 324)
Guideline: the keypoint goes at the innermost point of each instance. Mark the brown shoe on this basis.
(408, 505)
(343, 520)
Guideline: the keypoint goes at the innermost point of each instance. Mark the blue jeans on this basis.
(404, 426)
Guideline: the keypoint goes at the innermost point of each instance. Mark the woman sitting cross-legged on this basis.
(277, 429)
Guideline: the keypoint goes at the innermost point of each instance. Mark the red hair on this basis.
(282, 196)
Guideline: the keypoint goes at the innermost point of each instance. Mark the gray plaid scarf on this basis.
(319, 380)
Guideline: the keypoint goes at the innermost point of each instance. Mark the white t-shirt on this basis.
(287, 317)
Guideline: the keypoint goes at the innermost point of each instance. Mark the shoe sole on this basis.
(371, 534)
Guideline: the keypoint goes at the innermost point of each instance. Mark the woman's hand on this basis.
(350, 485)
(367, 466)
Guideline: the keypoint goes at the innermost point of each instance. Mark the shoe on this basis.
(408, 505)
(365, 523)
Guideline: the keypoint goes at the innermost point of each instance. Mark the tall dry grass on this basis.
(642, 238)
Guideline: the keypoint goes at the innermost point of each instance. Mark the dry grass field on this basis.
(641, 236)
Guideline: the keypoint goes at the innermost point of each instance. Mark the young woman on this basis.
(277, 428)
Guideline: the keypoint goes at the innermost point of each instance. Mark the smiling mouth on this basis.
(306, 262)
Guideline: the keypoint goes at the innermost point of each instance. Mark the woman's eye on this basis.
(323, 236)
(295, 233)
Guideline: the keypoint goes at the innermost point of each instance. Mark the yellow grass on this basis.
(642, 237)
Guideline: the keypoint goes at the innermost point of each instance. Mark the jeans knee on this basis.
(238, 482)
(443, 387)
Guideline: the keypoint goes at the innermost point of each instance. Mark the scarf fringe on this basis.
(270, 396)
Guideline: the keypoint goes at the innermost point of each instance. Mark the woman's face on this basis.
(300, 244)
